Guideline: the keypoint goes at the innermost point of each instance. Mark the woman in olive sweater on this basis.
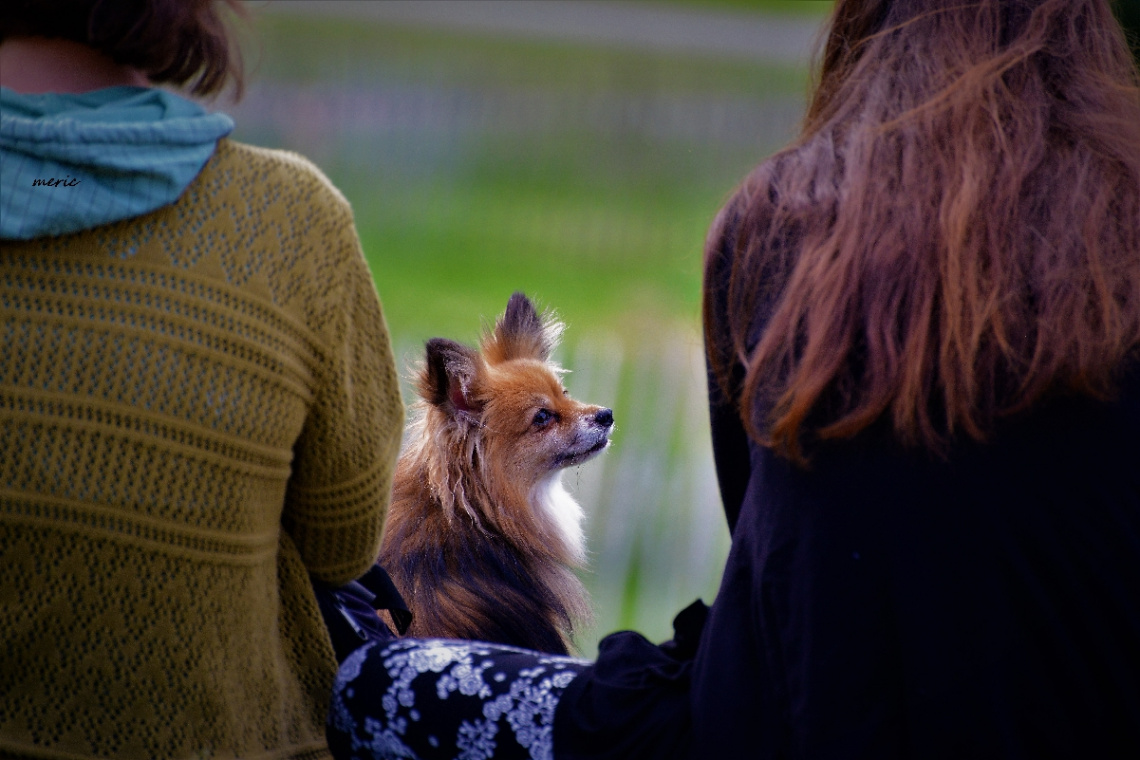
(199, 408)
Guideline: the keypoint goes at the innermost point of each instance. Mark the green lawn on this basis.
(603, 222)
(585, 176)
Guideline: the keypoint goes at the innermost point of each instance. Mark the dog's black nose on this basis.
(605, 417)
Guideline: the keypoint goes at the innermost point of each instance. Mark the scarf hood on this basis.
(69, 162)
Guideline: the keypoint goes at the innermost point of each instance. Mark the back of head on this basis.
(181, 42)
(956, 232)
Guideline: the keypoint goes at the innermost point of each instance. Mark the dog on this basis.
(482, 539)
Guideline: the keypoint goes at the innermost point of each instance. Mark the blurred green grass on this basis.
(583, 175)
(606, 227)
(619, 251)
(304, 49)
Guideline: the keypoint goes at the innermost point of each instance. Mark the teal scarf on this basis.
(72, 162)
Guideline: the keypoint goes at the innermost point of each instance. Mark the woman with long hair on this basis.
(923, 329)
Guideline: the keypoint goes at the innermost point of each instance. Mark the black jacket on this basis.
(887, 603)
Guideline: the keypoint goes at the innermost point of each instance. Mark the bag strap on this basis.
(349, 611)
(387, 597)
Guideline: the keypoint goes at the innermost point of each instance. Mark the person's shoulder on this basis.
(284, 168)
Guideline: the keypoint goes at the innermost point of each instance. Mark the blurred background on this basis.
(576, 151)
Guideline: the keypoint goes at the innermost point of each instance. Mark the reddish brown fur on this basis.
(469, 542)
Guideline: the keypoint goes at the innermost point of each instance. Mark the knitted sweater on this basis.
(198, 409)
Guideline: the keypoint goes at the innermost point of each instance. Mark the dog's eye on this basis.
(542, 418)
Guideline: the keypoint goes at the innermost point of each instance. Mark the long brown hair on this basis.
(955, 234)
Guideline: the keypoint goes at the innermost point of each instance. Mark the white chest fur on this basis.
(565, 513)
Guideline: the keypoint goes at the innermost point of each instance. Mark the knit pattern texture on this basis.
(198, 408)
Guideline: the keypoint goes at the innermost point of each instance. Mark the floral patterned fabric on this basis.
(435, 698)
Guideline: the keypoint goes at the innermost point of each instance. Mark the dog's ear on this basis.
(521, 333)
(448, 378)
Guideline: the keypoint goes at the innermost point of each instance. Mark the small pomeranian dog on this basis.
(482, 538)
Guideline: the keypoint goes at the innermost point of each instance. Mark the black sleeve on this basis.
(730, 452)
(729, 439)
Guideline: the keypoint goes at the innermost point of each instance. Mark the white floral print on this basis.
(476, 741)
(521, 703)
